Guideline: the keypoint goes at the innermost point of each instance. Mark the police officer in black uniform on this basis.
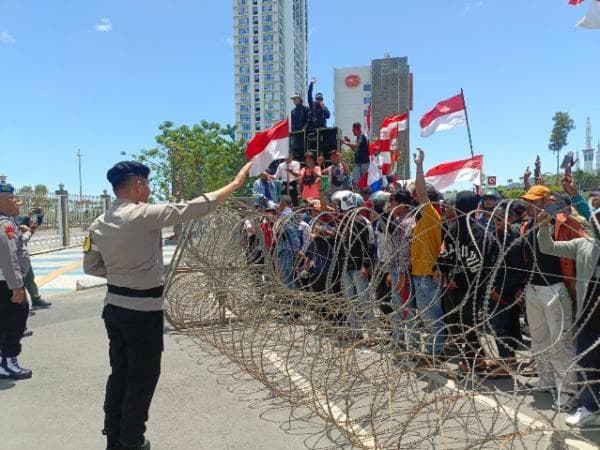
(14, 308)
(124, 246)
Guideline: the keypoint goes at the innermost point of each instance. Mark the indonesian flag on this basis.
(446, 174)
(267, 146)
(592, 16)
(391, 125)
(575, 2)
(445, 115)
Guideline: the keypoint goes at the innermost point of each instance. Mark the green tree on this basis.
(40, 190)
(25, 190)
(563, 124)
(190, 160)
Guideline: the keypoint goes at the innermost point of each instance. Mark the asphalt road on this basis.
(203, 400)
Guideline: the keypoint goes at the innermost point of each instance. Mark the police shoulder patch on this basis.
(87, 244)
(10, 231)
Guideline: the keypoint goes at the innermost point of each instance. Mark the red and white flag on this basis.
(592, 16)
(575, 2)
(445, 115)
(446, 174)
(391, 125)
(267, 146)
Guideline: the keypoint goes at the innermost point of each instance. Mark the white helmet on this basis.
(347, 200)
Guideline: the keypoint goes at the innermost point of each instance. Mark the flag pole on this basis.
(462, 94)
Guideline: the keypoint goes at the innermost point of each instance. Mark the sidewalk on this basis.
(61, 271)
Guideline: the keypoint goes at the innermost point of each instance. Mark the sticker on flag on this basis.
(491, 181)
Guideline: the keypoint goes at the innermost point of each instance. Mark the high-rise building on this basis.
(270, 60)
(386, 87)
(588, 152)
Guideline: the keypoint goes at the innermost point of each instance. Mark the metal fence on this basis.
(66, 217)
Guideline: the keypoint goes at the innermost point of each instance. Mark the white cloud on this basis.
(7, 38)
(104, 25)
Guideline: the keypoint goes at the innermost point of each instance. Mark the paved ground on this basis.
(58, 272)
(203, 401)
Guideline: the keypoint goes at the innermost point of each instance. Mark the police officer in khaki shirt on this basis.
(14, 308)
(124, 246)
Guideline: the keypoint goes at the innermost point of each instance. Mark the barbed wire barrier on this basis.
(363, 351)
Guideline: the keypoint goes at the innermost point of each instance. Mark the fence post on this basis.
(105, 197)
(63, 214)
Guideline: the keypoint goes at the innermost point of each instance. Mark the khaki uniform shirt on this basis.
(125, 246)
(12, 254)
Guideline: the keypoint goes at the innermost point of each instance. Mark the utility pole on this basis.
(79, 155)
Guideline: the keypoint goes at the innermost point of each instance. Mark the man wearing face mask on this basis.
(14, 308)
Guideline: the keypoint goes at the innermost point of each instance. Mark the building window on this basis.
(244, 117)
(243, 11)
(269, 77)
(244, 69)
(366, 100)
(245, 136)
(267, 18)
(269, 87)
(243, 50)
(257, 119)
(268, 57)
(245, 108)
(267, 8)
(268, 67)
(255, 10)
(244, 79)
(267, 48)
(256, 97)
(242, 2)
(256, 78)
(243, 21)
(245, 99)
(267, 38)
(267, 28)
(246, 126)
(244, 60)
(257, 127)
(255, 49)
(366, 87)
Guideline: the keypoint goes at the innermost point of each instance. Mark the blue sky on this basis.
(102, 75)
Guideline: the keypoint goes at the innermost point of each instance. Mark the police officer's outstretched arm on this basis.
(160, 216)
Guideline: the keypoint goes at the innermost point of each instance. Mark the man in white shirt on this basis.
(288, 172)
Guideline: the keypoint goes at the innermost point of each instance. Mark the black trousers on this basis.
(135, 350)
(13, 319)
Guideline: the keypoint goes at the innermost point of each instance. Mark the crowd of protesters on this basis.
(440, 274)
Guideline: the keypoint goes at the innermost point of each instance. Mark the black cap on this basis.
(319, 95)
(118, 173)
(466, 201)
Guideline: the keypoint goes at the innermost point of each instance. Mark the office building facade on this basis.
(270, 61)
(385, 85)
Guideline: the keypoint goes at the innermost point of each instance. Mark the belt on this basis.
(154, 292)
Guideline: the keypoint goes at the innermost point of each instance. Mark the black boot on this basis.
(112, 441)
(144, 446)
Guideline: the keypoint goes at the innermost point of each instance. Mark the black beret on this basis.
(120, 171)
